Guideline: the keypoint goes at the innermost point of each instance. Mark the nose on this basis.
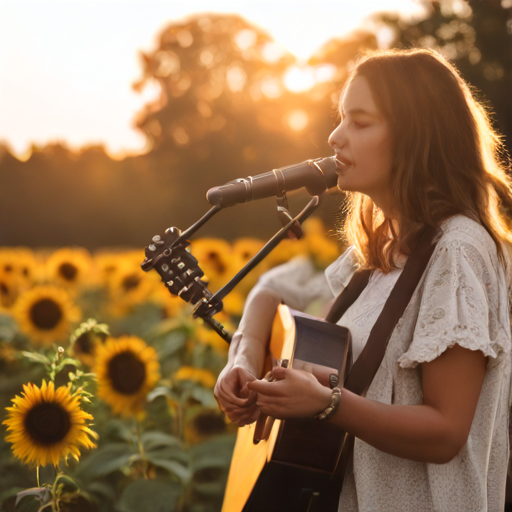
(337, 138)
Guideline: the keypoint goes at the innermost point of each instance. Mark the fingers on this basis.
(262, 387)
(246, 417)
(279, 373)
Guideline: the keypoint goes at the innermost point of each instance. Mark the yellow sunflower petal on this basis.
(44, 426)
(127, 369)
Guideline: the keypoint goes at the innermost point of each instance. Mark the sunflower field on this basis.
(106, 380)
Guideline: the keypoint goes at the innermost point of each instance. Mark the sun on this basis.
(47, 424)
(127, 370)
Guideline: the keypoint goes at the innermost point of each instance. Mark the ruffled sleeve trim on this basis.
(428, 352)
(461, 303)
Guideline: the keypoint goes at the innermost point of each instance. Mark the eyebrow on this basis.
(356, 111)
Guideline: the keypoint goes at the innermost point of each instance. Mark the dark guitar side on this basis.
(295, 457)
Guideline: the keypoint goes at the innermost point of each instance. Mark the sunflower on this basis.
(285, 251)
(47, 424)
(19, 262)
(245, 249)
(127, 370)
(85, 340)
(323, 249)
(172, 304)
(105, 265)
(69, 267)
(202, 423)
(206, 336)
(130, 286)
(45, 314)
(199, 375)
(9, 287)
(8, 359)
(234, 303)
(216, 259)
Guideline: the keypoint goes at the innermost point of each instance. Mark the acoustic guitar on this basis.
(279, 465)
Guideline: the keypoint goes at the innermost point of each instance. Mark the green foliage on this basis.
(160, 495)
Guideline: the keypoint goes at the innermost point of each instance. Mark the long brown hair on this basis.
(448, 160)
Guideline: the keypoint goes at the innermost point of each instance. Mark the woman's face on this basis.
(363, 145)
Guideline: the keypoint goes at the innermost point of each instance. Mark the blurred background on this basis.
(116, 117)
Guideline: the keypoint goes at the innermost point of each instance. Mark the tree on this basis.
(477, 37)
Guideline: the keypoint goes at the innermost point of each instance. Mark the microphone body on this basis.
(315, 175)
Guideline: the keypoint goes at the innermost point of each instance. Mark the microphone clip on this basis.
(284, 216)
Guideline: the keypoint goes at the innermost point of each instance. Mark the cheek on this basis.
(374, 161)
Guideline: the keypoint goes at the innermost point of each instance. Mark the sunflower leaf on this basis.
(173, 466)
(155, 495)
(41, 493)
(69, 360)
(160, 391)
(203, 396)
(107, 459)
(154, 439)
(37, 358)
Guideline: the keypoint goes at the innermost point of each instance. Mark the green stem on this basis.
(142, 453)
(37, 475)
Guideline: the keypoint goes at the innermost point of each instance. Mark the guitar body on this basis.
(277, 465)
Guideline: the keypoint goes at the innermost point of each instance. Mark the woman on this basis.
(413, 149)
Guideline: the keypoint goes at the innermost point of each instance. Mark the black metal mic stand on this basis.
(170, 256)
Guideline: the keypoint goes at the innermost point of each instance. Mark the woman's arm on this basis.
(246, 357)
(434, 431)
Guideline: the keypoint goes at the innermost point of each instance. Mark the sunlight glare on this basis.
(325, 73)
(271, 88)
(245, 39)
(299, 78)
(235, 78)
(273, 52)
(297, 120)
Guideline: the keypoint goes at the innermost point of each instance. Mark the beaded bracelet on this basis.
(333, 406)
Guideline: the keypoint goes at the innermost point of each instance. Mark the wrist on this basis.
(332, 402)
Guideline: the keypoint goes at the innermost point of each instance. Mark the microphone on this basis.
(315, 175)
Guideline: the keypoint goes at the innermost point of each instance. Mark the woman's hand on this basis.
(294, 394)
(233, 396)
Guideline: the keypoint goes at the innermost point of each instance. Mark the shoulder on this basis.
(460, 229)
(464, 238)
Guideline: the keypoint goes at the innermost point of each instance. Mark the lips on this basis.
(342, 162)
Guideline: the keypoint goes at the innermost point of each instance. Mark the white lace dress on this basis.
(461, 299)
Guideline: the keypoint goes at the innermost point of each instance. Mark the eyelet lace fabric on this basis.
(462, 299)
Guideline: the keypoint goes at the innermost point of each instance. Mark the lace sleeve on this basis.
(297, 282)
(460, 305)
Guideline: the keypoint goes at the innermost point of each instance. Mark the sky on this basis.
(67, 66)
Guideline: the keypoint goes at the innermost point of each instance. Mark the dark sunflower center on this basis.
(127, 373)
(209, 423)
(217, 262)
(45, 314)
(130, 282)
(68, 271)
(84, 343)
(47, 423)
(4, 289)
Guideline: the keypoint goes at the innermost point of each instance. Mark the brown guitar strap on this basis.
(367, 364)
